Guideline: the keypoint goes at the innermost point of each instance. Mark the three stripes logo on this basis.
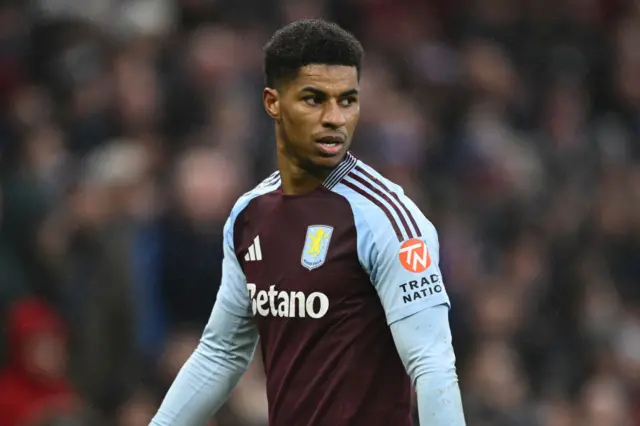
(255, 252)
(414, 255)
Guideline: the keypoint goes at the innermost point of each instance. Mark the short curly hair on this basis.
(305, 42)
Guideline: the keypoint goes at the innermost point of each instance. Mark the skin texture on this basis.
(322, 101)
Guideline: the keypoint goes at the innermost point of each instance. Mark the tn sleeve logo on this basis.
(414, 255)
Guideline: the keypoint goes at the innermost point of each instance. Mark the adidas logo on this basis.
(255, 252)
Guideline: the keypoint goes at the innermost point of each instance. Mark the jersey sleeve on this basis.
(223, 355)
(233, 294)
(425, 347)
(403, 266)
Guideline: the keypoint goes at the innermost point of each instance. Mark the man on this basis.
(329, 263)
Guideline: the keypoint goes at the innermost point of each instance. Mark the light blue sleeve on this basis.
(223, 355)
(398, 247)
(423, 341)
(233, 295)
(402, 291)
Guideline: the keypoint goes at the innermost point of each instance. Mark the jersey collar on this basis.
(340, 171)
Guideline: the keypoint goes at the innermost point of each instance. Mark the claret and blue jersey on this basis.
(323, 276)
(341, 287)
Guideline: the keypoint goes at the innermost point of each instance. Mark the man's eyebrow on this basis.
(319, 92)
(313, 90)
(349, 92)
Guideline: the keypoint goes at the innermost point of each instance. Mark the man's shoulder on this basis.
(381, 203)
(270, 184)
(365, 178)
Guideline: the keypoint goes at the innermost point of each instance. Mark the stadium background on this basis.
(128, 127)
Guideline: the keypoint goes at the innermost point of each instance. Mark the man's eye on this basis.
(348, 101)
(312, 100)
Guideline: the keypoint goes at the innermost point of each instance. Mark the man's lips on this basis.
(331, 144)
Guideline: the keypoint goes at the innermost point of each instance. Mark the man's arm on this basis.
(423, 341)
(211, 373)
(404, 269)
(223, 355)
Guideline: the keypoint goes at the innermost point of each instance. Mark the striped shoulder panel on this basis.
(272, 179)
(387, 196)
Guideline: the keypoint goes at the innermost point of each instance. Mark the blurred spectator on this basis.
(137, 410)
(98, 283)
(206, 186)
(34, 386)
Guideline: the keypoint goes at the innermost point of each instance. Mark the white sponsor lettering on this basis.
(287, 304)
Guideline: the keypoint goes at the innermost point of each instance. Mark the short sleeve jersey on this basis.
(323, 275)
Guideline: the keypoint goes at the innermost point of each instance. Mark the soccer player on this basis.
(329, 264)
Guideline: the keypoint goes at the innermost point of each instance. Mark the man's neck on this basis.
(295, 179)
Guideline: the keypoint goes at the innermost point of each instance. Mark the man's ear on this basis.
(271, 100)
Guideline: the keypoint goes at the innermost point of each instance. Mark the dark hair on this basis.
(305, 42)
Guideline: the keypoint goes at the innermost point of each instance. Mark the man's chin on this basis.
(328, 163)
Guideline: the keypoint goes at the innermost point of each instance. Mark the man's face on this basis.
(317, 114)
(45, 356)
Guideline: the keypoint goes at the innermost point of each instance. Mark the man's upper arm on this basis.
(403, 266)
(233, 296)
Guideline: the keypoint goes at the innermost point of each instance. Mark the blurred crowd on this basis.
(129, 127)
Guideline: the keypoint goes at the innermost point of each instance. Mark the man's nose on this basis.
(333, 116)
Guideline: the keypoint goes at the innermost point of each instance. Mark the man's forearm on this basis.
(424, 344)
(213, 370)
(439, 401)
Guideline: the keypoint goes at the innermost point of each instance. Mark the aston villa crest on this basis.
(316, 246)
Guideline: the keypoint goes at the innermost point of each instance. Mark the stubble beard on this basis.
(300, 159)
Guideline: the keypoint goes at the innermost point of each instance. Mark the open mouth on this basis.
(330, 145)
